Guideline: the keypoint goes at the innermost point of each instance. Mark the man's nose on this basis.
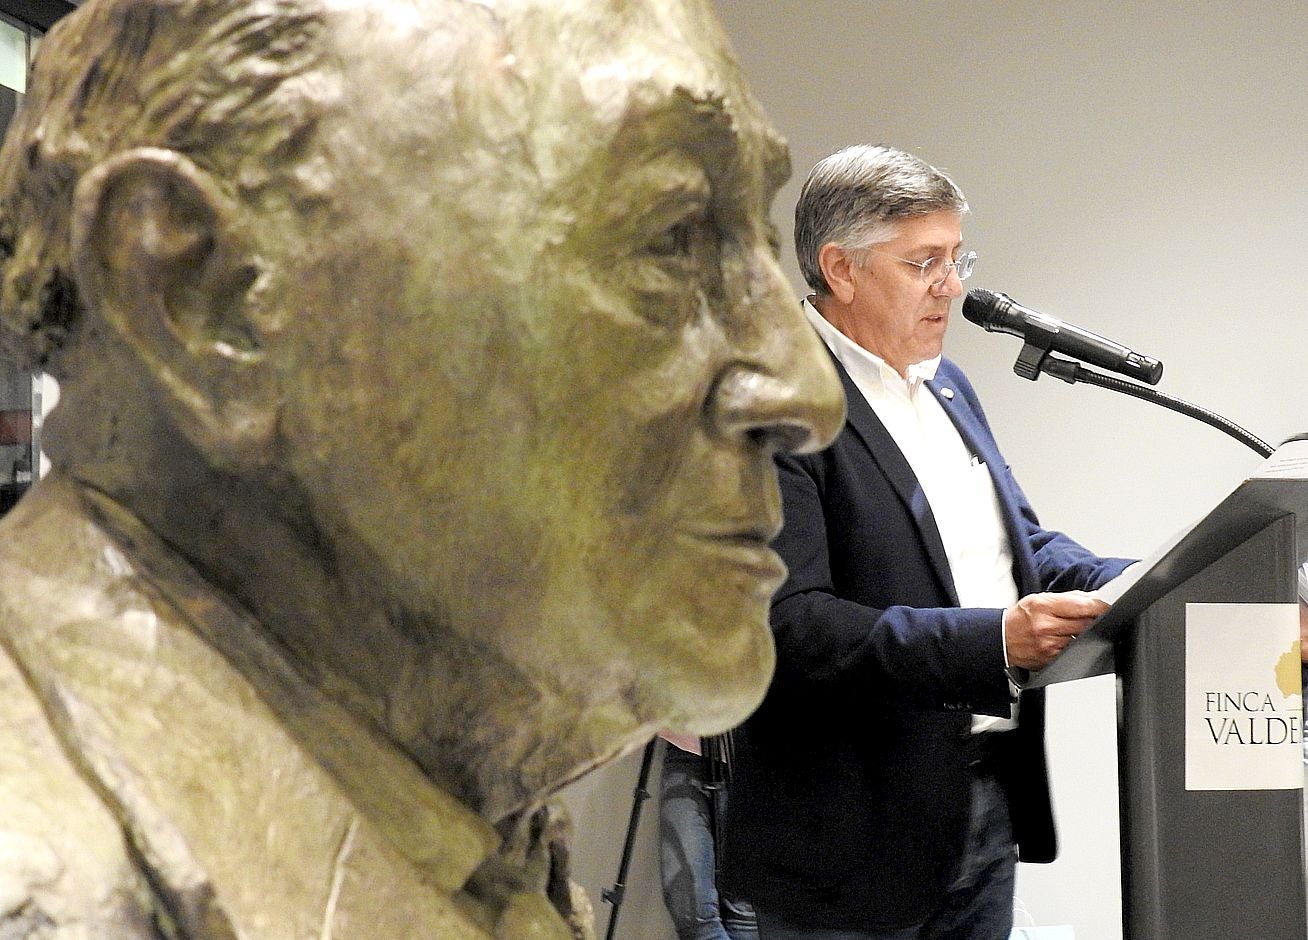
(951, 286)
(781, 389)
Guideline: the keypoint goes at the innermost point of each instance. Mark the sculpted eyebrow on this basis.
(741, 155)
(698, 125)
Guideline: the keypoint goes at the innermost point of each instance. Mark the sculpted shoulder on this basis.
(65, 871)
(113, 823)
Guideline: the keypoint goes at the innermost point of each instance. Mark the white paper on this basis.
(1290, 462)
(1114, 589)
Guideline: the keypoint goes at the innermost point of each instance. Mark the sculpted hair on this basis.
(856, 197)
(235, 85)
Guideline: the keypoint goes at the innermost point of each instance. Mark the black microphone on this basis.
(999, 313)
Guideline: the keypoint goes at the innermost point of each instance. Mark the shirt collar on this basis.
(867, 365)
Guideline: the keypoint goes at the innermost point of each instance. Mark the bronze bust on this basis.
(422, 362)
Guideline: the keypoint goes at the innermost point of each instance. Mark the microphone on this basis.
(999, 313)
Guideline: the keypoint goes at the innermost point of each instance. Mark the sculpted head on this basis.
(448, 337)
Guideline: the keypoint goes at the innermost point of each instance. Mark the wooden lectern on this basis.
(1203, 864)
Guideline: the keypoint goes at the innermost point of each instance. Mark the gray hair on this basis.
(856, 197)
(228, 83)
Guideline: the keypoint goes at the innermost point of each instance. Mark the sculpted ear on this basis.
(837, 268)
(155, 256)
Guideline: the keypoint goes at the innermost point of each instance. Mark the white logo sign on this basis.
(1243, 698)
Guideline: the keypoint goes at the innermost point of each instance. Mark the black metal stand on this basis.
(613, 896)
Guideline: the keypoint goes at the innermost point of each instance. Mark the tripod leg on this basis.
(613, 896)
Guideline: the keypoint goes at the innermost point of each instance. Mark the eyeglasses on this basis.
(935, 271)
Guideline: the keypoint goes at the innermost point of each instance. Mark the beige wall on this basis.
(1140, 169)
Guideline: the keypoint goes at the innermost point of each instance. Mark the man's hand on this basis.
(1040, 626)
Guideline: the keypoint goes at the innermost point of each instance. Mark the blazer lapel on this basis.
(890, 459)
(983, 446)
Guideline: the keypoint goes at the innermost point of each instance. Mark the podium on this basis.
(1211, 807)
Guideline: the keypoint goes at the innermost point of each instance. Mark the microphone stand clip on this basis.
(1035, 351)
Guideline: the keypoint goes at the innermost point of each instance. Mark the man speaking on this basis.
(882, 786)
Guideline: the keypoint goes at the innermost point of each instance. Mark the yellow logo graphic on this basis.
(1287, 671)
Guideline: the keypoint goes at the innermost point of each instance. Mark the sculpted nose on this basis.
(800, 409)
(782, 392)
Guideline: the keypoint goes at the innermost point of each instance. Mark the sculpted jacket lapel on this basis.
(982, 444)
(888, 457)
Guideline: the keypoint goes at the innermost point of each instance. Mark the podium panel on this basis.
(1202, 864)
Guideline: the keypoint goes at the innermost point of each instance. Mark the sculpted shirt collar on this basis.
(867, 369)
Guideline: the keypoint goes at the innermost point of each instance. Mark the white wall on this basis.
(1140, 169)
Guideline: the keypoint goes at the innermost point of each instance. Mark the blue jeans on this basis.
(979, 902)
(687, 854)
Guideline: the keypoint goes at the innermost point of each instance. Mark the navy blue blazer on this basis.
(850, 790)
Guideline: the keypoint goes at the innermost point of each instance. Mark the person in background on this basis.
(693, 794)
(888, 782)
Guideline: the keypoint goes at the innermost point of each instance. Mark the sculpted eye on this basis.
(680, 239)
(672, 256)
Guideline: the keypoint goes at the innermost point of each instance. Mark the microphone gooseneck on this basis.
(1043, 335)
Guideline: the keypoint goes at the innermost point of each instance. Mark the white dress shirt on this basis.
(957, 485)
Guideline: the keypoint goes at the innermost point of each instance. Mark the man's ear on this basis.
(838, 269)
(156, 257)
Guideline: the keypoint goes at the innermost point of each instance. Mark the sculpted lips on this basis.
(744, 547)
